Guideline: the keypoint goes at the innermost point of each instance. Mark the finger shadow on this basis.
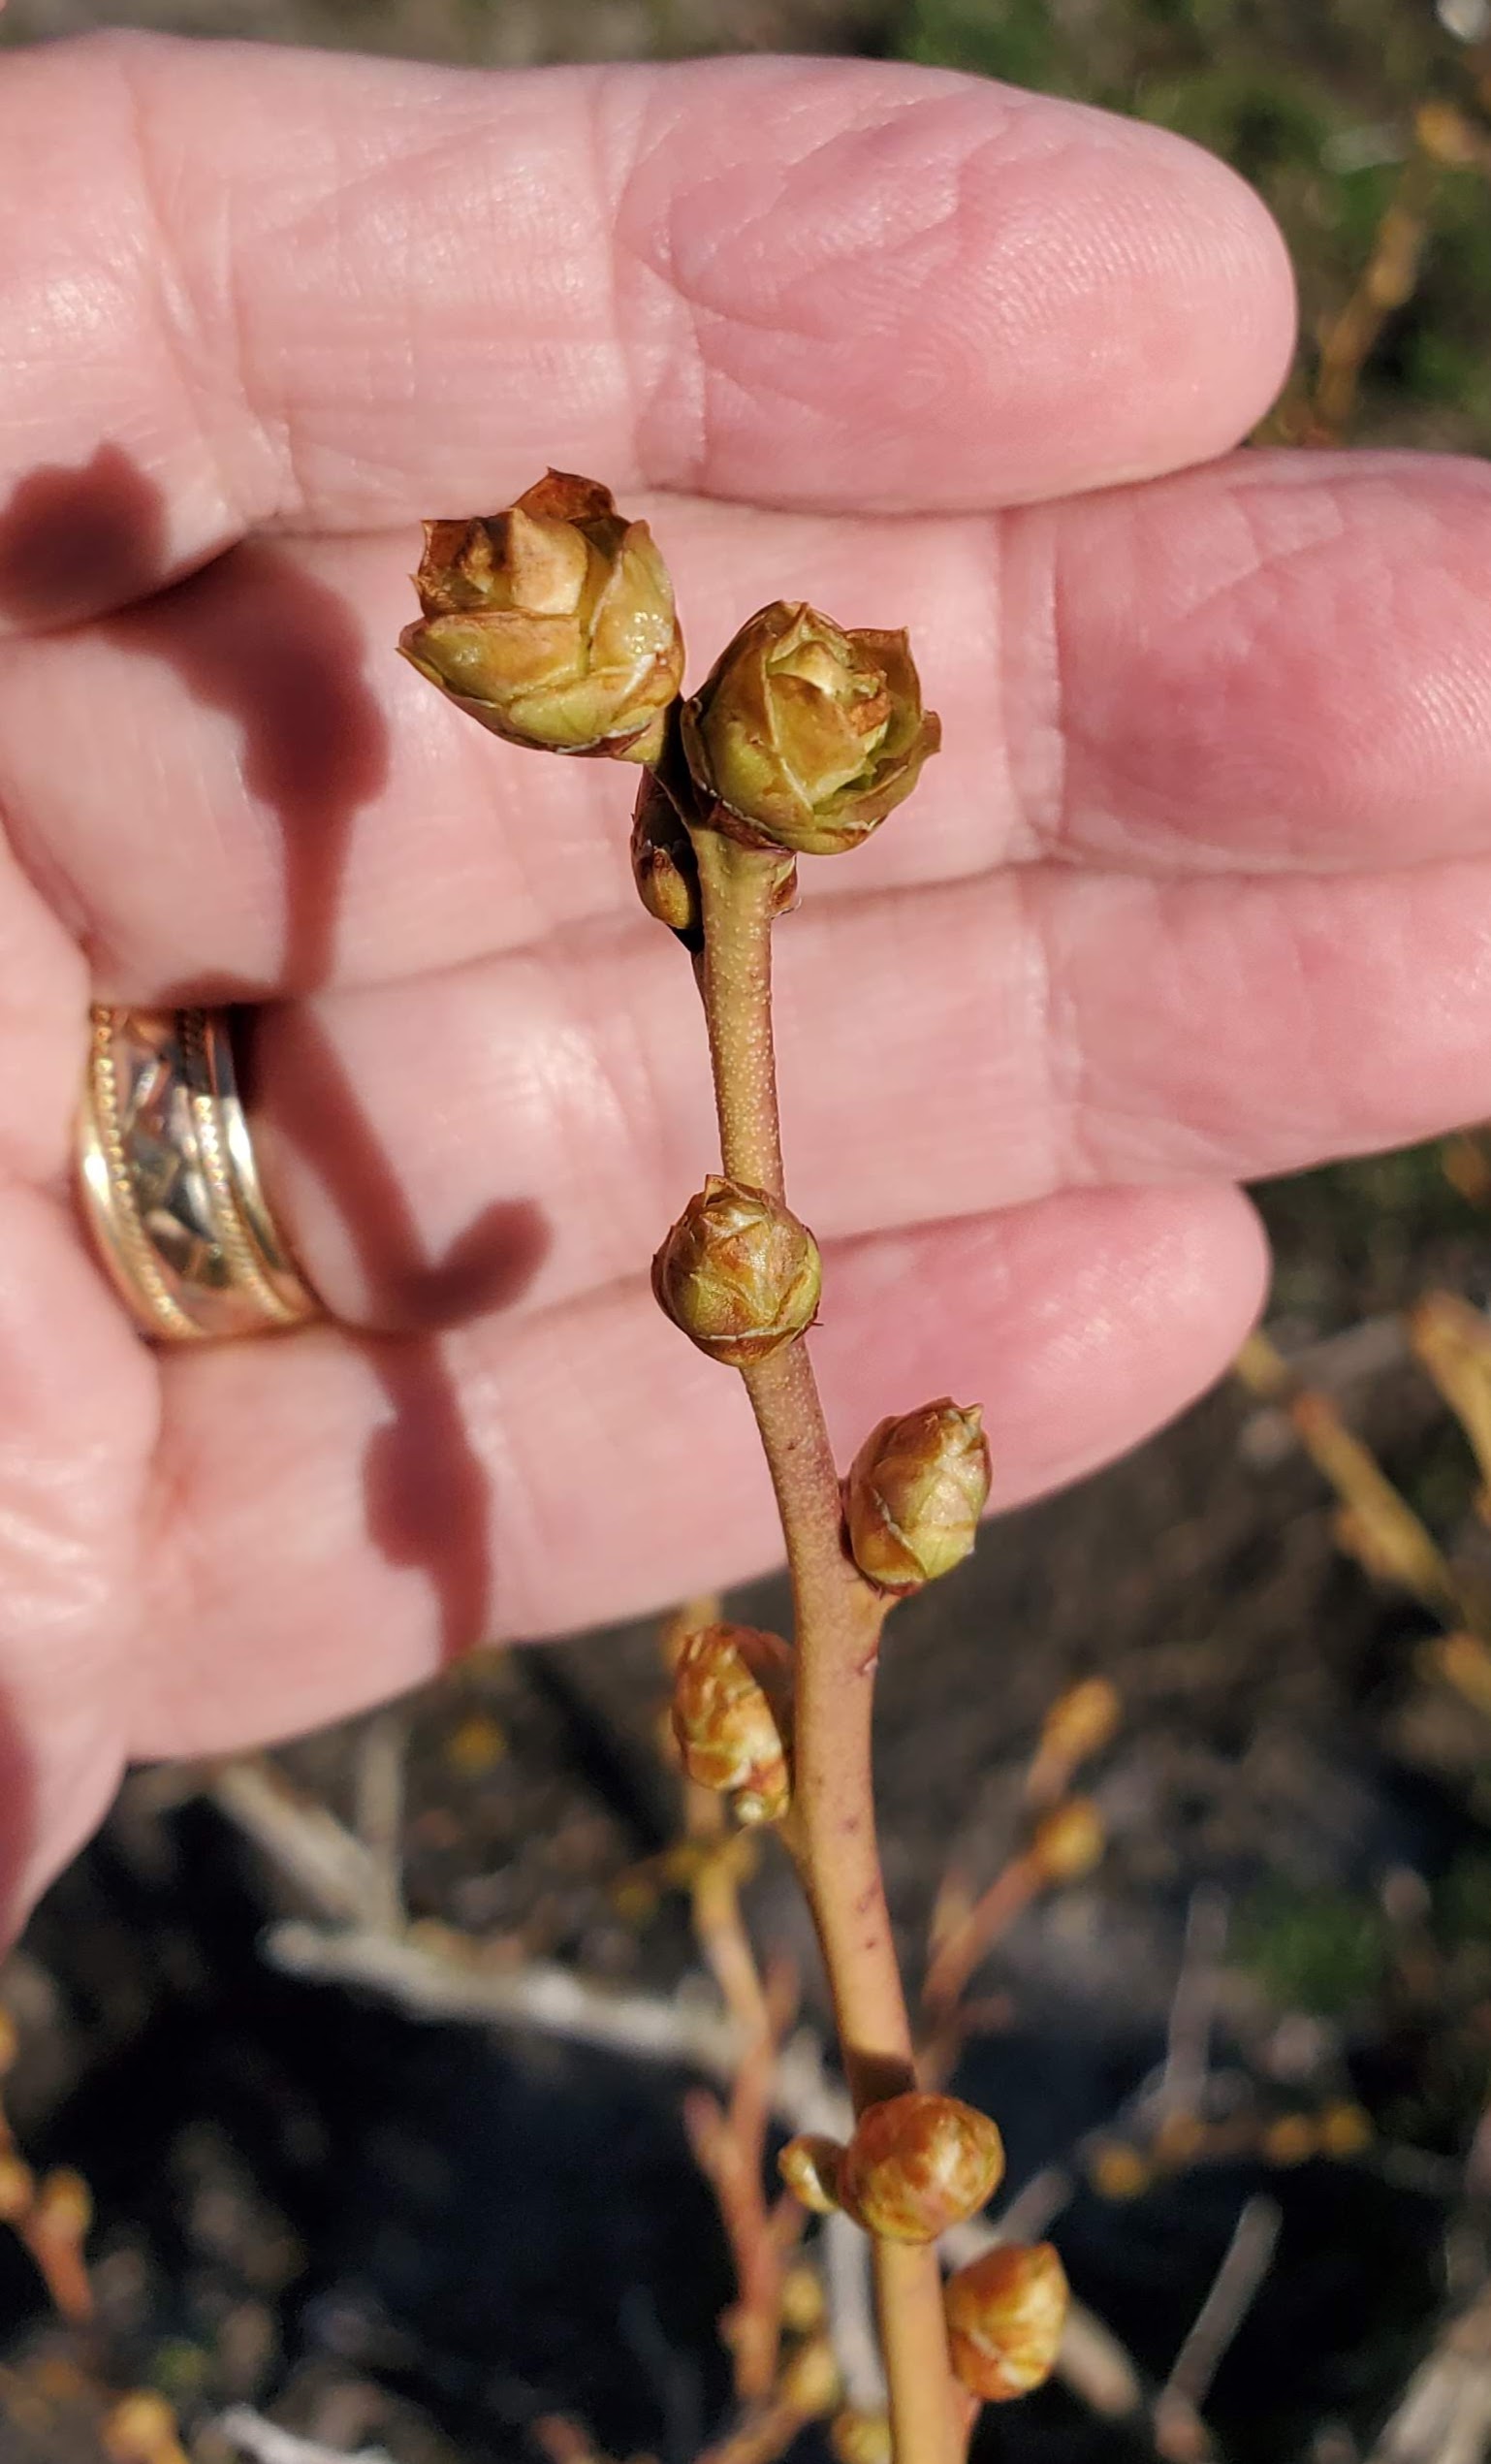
(258, 638)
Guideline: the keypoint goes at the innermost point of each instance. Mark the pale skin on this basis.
(1199, 889)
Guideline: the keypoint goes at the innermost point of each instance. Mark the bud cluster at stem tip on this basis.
(806, 736)
(915, 1493)
(738, 1273)
(731, 1715)
(551, 623)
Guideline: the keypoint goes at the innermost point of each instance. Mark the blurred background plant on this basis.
(420, 2073)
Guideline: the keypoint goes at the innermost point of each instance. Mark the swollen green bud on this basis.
(552, 623)
(739, 1273)
(806, 736)
(915, 1495)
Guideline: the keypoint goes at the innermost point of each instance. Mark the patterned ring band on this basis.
(168, 1183)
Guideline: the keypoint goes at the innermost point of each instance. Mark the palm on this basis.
(1139, 934)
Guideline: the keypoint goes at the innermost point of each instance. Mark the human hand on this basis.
(1199, 888)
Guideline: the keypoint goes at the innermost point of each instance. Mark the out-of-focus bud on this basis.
(803, 2303)
(731, 1698)
(663, 865)
(810, 2167)
(1119, 2171)
(10, 2042)
(805, 736)
(861, 2438)
(64, 2206)
(917, 2164)
(552, 623)
(810, 2383)
(1082, 1722)
(141, 2429)
(915, 1495)
(738, 1273)
(18, 2189)
(1067, 1842)
(1004, 2318)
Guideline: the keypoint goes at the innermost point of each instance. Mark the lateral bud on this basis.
(739, 1273)
(915, 1493)
(551, 623)
(663, 865)
(732, 1692)
(809, 2166)
(1005, 2313)
(806, 736)
(919, 2164)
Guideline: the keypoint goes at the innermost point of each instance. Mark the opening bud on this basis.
(1067, 1842)
(731, 1698)
(739, 1273)
(915, 1493)
(810, 2167)
(1004, 2318)
(806, 736)
(919, 2164)
(551, 623)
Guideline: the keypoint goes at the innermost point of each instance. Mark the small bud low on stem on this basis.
(552, 623)
(806, 736)
(919, 2164)
(731, 1711)
(915, 1493)
(1004, 2318)
(738, 1273)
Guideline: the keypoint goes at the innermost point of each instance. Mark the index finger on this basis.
(242, 287)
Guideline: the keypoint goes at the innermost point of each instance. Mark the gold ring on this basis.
(168, 1183)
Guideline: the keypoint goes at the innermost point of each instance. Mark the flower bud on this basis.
(1004, 2318)
(808, 2165)
(731, 1692)
(739, 1273)
(917, 2164)
(663, 865)
(805, 736)
(1067, 1842)
(915, 1495)
(552, 623)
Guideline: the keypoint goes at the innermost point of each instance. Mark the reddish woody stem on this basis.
(839, 1615)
